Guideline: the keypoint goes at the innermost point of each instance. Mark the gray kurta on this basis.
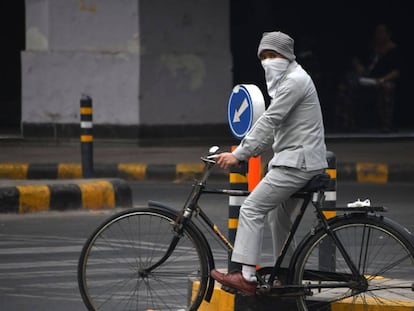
(293, 123)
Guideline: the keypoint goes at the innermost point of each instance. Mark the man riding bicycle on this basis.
(293, 123)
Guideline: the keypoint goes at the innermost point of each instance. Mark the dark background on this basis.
(12, 33)
(334, 31)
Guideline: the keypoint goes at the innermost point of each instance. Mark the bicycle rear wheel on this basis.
(111, 269)
(380, 252)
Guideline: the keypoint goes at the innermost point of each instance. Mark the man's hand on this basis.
(226, 159)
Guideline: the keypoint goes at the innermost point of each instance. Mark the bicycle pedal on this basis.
(233, 291)
(229, 290)
(263, 289)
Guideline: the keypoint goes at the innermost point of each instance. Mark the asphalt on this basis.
(38, 174)
(47, 175)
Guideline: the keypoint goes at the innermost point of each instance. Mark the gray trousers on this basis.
(270, 199)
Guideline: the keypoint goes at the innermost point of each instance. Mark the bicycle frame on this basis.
(307, 199)
(191, 206)
(163, 256)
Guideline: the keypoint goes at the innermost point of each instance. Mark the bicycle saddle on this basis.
(318, 182)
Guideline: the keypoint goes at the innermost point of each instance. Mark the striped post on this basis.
(330, 193)
(86, 136)
(327, 249)
(238, 181)
(254, 172)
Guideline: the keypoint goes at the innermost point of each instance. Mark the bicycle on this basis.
(157, 258)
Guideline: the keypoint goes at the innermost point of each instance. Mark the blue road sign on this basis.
(246, 104)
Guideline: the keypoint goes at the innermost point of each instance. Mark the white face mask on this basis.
(274, 69)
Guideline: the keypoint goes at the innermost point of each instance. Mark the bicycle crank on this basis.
(287, 291)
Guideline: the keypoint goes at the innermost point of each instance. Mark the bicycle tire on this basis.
(380, 250)
(112, 260)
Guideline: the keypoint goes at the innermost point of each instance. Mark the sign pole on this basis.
(246, 105)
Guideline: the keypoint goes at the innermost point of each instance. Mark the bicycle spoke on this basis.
(384, 260)
(113, 265)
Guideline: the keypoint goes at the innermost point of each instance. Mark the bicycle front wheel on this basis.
(381, 253)
(112, 267)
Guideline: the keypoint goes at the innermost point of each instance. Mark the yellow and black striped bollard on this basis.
(86, 136)
(327, 249)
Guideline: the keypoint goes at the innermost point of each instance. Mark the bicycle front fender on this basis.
(201, 237)
(162, 206)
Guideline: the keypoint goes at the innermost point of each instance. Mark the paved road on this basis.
(39, 252)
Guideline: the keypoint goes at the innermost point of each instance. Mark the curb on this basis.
(61, 196)
(224, 301)
(375, 172)
(127, 171)
(359, 171)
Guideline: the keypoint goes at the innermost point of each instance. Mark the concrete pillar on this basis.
(146, 63)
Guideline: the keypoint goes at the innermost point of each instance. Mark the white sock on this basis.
(249, 273)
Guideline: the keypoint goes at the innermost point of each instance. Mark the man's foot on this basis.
(235, 280)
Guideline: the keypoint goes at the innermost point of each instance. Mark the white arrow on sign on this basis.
(239, 112)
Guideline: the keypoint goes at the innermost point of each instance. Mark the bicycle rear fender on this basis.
(375, 217)
(388, 221)
(202, 238)
(403, 230)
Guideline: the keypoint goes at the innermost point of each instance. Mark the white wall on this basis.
(75, 47)
(185, 61)
(144, 62)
